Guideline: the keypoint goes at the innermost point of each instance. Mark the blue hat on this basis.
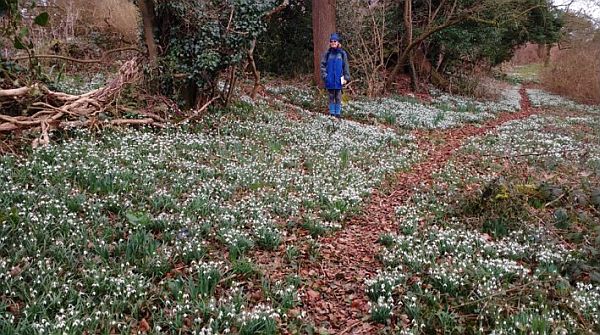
(334, 37)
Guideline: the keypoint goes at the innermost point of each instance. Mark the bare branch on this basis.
(75, 60)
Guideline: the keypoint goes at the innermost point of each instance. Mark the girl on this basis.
(335, 72)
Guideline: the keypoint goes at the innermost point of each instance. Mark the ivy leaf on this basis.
(18, 44)
(42, 19)
(23, 32)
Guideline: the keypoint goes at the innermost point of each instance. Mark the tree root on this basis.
(56, 110)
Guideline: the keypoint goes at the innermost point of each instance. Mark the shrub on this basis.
(575, 73)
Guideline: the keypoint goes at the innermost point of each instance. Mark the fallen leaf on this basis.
(14, 309)
(144, 326)
(313, 295)
(358, 303)
(15, 271)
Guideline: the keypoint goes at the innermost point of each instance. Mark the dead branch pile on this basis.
(54, 110)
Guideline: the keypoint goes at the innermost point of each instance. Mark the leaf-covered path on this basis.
(334, 297)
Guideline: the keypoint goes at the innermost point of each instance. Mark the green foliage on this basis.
(201, 39)
(14, 12)
(286, 47)
(14, 29)
(502, 27)
(42, 19)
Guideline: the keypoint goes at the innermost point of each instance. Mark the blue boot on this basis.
(332, 109)
(338, 110)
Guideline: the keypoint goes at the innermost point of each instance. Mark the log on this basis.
(15, 92)
(8, 127)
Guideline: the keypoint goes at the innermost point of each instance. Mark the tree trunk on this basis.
(547, 54)
(403, 57)
(255, 71)
(149, 22)
(408, 28)
(191, 94)
(323, 15)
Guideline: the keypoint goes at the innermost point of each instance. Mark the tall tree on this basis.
(149, 23)
(323, 14)
(408, 31)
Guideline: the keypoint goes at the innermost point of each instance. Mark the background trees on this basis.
(193, 45)
(286, 47)
(437, 40)
(199, 40)
(449, 32)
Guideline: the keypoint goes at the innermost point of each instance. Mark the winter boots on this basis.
(335, 110)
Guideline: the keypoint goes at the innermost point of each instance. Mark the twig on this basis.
(349, 328)
(554, 201)
(7, 146)
(75, 60)
(230, 19)
(227, 159)
(202, 109)
(277, 9)
(228, 278)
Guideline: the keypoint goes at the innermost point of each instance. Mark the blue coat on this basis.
(334, 65)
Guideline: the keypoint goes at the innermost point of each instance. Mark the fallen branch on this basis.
(202, 109)
(8, 127)
(120, 122)
(50, 112)
(143, 112)
(116, 122)
(75, 60)
(16, 92)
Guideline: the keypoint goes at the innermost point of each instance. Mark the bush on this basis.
(575, 73)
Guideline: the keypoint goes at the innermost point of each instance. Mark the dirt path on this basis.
(333, 297)
(336, 294)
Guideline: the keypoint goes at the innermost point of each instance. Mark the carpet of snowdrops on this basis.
(444, 111)
(94, 229)
(145, 230)
(506, 240)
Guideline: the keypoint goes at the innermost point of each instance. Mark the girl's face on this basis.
(333, 44)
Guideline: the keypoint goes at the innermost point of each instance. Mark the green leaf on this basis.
(23, 31)
(18, 44)
(42, 19)
(132, 218)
